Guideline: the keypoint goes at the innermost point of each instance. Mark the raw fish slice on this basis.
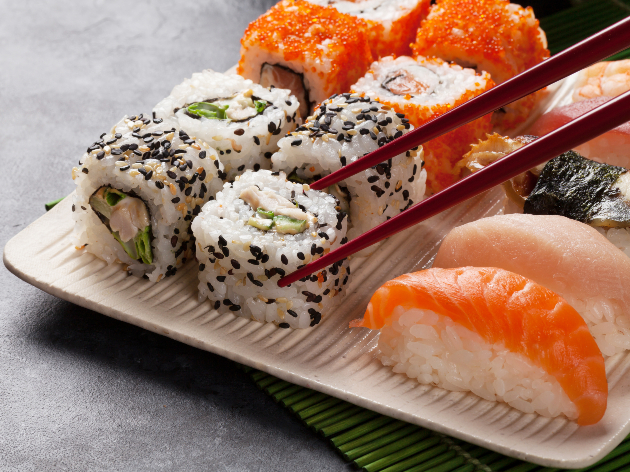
(564, 255)
(506, 308)
(611, 148)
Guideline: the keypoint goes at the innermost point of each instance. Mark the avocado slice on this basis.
(288, 225)
(261, 223)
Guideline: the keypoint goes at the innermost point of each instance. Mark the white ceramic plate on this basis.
(329, 358)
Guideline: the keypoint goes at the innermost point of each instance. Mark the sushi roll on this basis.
(493, 333)
(563, 255)
(496, 36)
(259, 228)
(138, 189)
(423, 89)
(242, 120)
(314, 51)
(392, 24)
(343, 129)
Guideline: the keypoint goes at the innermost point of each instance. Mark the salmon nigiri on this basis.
(492, 332)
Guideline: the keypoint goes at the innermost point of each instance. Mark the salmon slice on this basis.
(503, 307)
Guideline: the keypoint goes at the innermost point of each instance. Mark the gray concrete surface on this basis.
(80, 391)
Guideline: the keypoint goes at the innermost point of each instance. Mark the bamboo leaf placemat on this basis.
(377, 443)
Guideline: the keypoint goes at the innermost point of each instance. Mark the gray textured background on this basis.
(80, 391)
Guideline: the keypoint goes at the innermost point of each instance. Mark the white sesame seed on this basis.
(352, 132)
(400, 127)
(281, 300)
(136, 166)
(306, 187)
(120, 163)
(107, 149)
(134, 172)
(183, 146)
(217, 138)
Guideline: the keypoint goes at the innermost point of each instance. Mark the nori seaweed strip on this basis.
(578, 188)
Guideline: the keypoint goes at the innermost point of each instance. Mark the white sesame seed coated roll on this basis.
(259, 228)
(242, 120)
(138, 189)
(342, 130)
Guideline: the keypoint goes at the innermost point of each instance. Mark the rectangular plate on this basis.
(330, 358)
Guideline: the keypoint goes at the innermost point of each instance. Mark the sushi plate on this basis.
(330, 358)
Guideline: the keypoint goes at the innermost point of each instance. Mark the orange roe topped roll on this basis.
(424, 89)
(496, 36)
(392, 24)
(314, 51)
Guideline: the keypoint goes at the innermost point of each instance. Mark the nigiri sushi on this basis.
(492, 332)
(610, 148)
(604, 79)
(563, 255)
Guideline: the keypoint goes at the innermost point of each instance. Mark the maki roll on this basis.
(314, 51)
(242, 120)
(259, 228)
(138, 189)
(343, 129)
(392, 24)
(496, 36)
(494, 333)
(423, 89)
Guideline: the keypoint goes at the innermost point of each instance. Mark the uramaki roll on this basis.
(423, 89)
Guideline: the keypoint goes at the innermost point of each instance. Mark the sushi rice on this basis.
(247, 132)
(433, 349)
(240, 264)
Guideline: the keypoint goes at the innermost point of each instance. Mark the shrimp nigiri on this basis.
(492, 332)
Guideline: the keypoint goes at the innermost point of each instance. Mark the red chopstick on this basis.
(595, 48)
(584, 128)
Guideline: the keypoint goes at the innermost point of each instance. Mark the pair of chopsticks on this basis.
(588, 126)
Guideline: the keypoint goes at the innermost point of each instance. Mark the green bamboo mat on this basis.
(570, 26)
(377, 443)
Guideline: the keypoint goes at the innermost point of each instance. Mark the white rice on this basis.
(241, 144)
(240, 265)
(172, 203)
(436, 351)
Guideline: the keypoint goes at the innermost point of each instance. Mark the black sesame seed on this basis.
(265, 258)
(405, 194)
(235, 264)
(217, 304)
(221, 278)
(124, 168)
(284, 325)
(284, 259)
(373, 178)
(292, 313)
(148, 175)
(271, 127)
(235, 308)
(159, 184)
(296, 142)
